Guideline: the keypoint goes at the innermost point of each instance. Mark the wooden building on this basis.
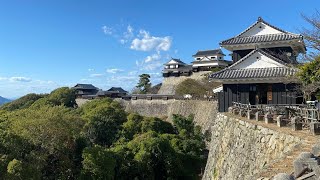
(114, 92)
(85, 90)
(176, 68)
(264, 56)
(209, 59)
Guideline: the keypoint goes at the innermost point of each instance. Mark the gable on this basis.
(172, 61)
(260, 28)
(257, 60)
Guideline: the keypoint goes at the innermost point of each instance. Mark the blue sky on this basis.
(45, 44)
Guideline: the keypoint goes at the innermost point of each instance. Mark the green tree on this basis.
(309, 76)
(104, 121)
(22, 103)
(144, 83)
(98, 163)
(63, 96)
(15, 169)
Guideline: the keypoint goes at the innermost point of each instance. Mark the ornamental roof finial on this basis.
(260, 18)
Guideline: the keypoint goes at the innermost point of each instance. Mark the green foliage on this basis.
(63, 96)
(98, 163)
(144, 83)
(15, 168)
(197, 88)
(22, 103)
(50, 139)
(310, 72)
(309, 75)
(191, 86)
(104, 120)
(216, 69)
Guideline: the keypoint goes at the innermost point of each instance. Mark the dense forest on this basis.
(49, 137)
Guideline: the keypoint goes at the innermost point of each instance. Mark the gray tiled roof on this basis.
(253, 73)
(177, 60)
(283, 36)
(232, 73)
(209, 52)
(85, 86)
(261, 38)
(117, 89)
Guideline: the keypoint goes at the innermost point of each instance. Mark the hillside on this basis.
(4, 100)
(170, 84)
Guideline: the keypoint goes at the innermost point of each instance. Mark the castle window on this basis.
(198, 58)
(213, 57)
(220, 57)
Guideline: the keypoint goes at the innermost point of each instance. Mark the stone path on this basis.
(285, 164)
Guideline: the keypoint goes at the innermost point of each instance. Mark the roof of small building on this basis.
(85, 86)
(117, 89)
(208, 52)
(282, 36)
(178, 61)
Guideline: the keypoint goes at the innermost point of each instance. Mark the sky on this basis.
(46, 44)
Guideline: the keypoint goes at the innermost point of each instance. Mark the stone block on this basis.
(268, 118)
(306, 160)
(258, 116)
(230, 109)
(241, 112)
(296, 123)
(315, 128)
(280, 121)
(283, 176)
(316, 150)
(249, 114)
(234, 111)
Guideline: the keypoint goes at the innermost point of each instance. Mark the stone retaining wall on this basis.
(240, 150)
(204, 111)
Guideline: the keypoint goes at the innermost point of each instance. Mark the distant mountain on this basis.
(3, 100)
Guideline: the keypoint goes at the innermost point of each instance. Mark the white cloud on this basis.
(96, 75)
(152, 57)
(152, 66)
(90, 70)
(107, 30)
(127, 35)
(149, 43)
(114, 70)
(20, 79)
(3, 78)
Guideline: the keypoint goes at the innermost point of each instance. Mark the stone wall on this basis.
(241, 150)
(204, 111)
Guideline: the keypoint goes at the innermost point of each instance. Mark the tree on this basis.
(104, 120)
(98, 163)
(312, 35)
(309, 76)
(144, 83)
(23, 102)
(63, 96)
